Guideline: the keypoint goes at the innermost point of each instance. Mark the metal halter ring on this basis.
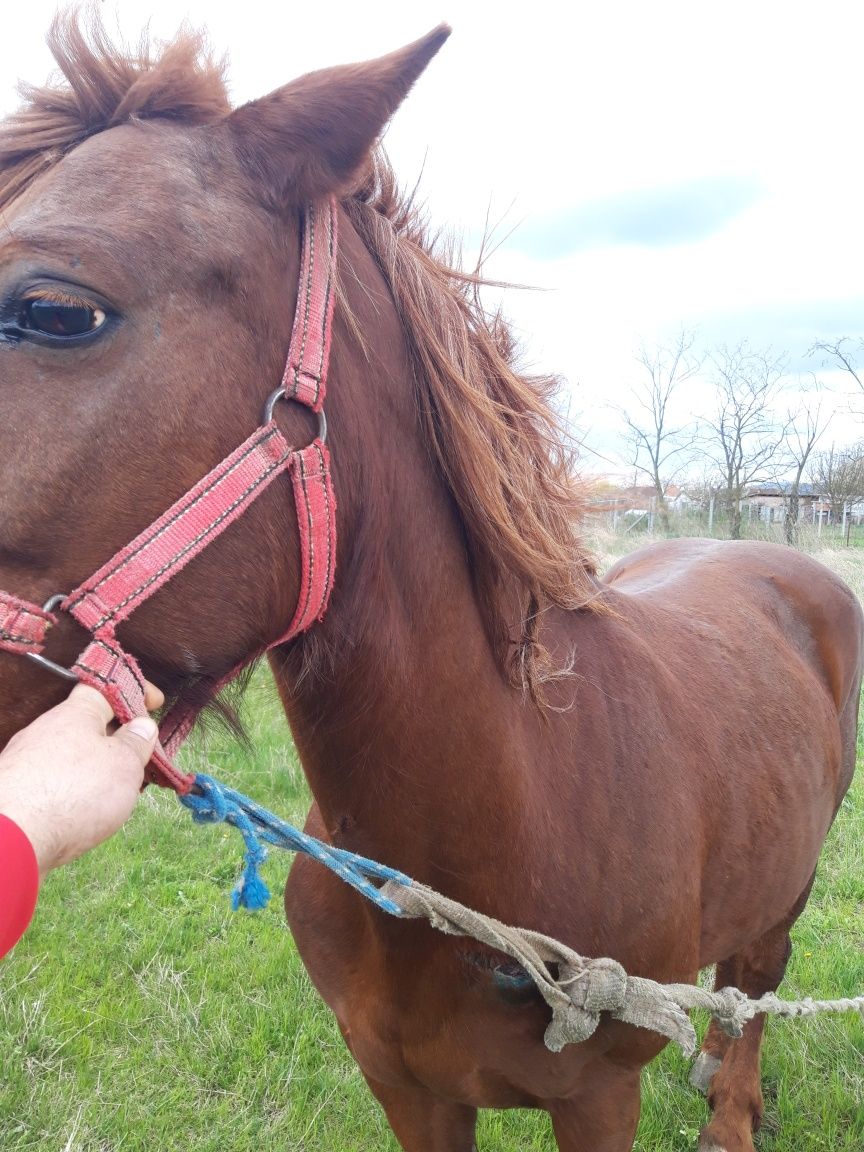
(58, 669)
(279, 394)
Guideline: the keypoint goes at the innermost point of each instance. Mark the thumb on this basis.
(139, 736)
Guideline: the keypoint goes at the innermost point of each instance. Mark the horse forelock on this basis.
(105, 85)
(494, 431)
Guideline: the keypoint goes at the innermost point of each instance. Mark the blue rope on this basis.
(214, 803)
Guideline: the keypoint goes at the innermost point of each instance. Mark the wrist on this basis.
(34, 828)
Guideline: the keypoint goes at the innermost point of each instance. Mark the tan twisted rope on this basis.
(584, 988)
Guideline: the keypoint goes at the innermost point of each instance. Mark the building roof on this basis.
(782, 488)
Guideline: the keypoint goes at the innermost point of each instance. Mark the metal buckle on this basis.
(58, 669)
(279, 394)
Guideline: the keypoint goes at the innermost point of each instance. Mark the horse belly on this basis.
(770, 825)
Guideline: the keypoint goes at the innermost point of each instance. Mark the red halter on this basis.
(160, 551)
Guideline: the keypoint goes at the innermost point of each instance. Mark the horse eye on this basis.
(61, 318)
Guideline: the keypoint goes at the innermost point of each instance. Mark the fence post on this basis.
(711, 516)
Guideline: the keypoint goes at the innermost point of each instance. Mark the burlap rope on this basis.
(585, 988)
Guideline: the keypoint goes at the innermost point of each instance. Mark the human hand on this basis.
(67, 782)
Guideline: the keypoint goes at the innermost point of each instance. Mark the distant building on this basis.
(635, 499)
(767, 502)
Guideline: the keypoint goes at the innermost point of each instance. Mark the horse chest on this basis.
(431, 1012)
(464, 1042)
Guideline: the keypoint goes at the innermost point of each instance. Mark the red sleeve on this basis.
(19, 883)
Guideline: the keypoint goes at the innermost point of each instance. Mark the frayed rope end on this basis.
(211, 804)
(251, 892)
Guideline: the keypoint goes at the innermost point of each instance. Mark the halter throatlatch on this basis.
(140, 569)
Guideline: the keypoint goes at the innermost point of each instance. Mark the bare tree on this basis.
(804, 427)
(704, 485)
(658, 449)
(838, 473)
(744, 437)
(703, 488)
(843, 354)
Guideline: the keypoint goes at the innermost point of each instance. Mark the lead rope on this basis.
(211, 803)
(580, 991)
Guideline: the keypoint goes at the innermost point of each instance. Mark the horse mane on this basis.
(492, 430)
(106, 85)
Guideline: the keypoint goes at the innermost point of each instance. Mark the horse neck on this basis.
(402, 718)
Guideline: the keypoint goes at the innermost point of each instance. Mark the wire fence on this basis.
(636, 527)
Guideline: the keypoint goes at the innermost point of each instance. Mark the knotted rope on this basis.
(584, 988)
(580, 991)
(211, 802)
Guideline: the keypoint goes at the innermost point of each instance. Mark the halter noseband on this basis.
(131, 576)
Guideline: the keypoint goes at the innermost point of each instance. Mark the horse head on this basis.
(149, 262)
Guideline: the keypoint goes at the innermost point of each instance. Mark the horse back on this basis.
(817, 615)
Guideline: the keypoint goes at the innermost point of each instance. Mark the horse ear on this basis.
(313, 136)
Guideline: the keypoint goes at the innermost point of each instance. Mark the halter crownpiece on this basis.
(135, 573)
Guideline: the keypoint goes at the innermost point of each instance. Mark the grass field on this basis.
(140, 1013)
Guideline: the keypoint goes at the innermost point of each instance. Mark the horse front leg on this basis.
(603, 1117)
(729, 1070)
(423, 1122)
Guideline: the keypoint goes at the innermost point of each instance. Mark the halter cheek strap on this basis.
(158, 553)
(22, 625)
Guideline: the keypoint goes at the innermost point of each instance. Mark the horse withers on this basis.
(644, 766)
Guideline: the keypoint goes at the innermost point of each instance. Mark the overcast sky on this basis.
(653, 165)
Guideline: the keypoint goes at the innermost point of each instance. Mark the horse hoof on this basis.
(704, 1069)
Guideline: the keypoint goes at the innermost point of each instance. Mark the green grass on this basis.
(140, 1013)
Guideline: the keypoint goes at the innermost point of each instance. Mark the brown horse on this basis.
(643, 766)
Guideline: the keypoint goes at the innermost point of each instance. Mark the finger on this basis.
(92, 703)
(153, 697)
(138, 737)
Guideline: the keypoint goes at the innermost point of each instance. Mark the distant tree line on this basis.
(752, 434)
